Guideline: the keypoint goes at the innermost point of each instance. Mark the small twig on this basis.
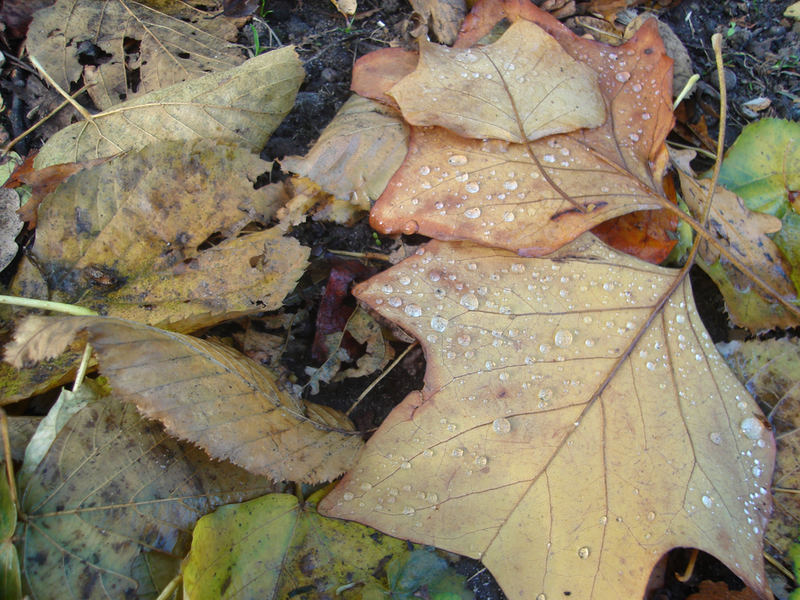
(81, 374)
(68, 309)
(12, 483)
(7, 148)
(84, 113)
(687, 89)
(365, 255)
(785, 490)
(170, 588)
(702, 151)
(779, 565)
(381, 376)
(687, 574)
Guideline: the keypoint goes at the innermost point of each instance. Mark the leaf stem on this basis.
(395, 362)
(12, 482)
(170, 588)
(84, 113)
(81, 374)
(68, 309)
(687, 89)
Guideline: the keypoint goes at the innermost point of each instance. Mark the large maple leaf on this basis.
(530, 194)
(575, 424)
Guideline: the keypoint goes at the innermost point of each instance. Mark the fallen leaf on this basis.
(540, 445)
(273, 546)
(762, 167)
(10, 579)
(113, 494)
(357, 153)
(346, 7)
(524, 86)
(530, 197)
(409, 572)
(747, 235)
(127, 49)
(770, 370)
(240, 106)
(646, 234)
(124, 237)
(443, 17)
(375, 73)
(10, 226)
(205, 393)
(20, 431)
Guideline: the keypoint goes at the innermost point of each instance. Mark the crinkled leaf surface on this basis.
(112, 489)
(524, 86)
(122, 238)
(747, 234)
(242, 106)
(530, 197)
(273, 546)
(357, 152)
(770, 370)
(206, 393)
(154, 42)
(518, 453)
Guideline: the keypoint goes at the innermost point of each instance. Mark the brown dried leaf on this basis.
(540, 445)
(205, 393)
(524, 86)
(525, 197)
(123, 238)
(443, 17)
(240, 106)
(161, 43)
(356, 153)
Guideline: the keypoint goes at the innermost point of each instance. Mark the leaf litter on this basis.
(644, 164)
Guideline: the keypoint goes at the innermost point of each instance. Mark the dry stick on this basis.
(381, 376)
(12, 482)
(170, 588)
(687, 574)
(7, 148)
(364, 255)
(84, 113)
(778, 565)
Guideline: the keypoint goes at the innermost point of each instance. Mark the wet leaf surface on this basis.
(539, 446)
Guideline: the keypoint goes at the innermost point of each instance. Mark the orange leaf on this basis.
(535, 196)
(542, 445)
(644, 234)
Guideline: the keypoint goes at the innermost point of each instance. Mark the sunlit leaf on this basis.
(539, 445)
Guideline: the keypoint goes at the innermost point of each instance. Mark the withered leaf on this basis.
(524, 86)
(155, 44)
(540, 445)
(112, 491)
(242, 105)
(534, 197)
(206, 393)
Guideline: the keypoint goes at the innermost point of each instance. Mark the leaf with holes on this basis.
(127, 48)
(206, 393)
(114, 498)
(533, 196)
(242, 106)
(541, 443)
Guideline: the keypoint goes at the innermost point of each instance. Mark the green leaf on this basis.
(111, 488)
(424, 568)
(8, 512)
(278, 547)
(763, 165)
(10, 581)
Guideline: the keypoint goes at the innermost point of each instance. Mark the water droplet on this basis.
(481, 461)
(434, 275)
(562, 338)
(715, 438)
(472, 213)
(410, 227)
(457, 160)
(645, 116)
(458, 452)
(549, 158)
(651, 516)
(637, 87)
(510, 185)
(413, 310)
(472, 187)
(394, 301)
(650, 366)
(508, 217)
(583, 552)
(622, 76)
(541, 597)
(680, 318)
(707, 502)
(752, 428)
(387, 289)
(462, 177)
(347, 496)
(438, 323)
(634, 137)
(366, 486)
(404, 280)
(757, 471)
(432, 497)
(408, 510)
(545, 396)
(424, 170)
(438, 205)
(501, 425)
(469, 301)
(405, 465)
(517, 268)
(464, 339)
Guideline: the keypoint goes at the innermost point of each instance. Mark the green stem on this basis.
(69, 309)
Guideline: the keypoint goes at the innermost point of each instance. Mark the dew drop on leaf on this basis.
(472, 213)
(469, 301)
(472, 187)
(413, 310)
(752, 428)
(438, 323)
(481, 461)
(583, 552)
(501, 425)
(622, 76)
(715, 437)
(457, 160)
(562, 338)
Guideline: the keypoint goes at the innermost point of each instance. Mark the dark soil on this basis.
(762, 55)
